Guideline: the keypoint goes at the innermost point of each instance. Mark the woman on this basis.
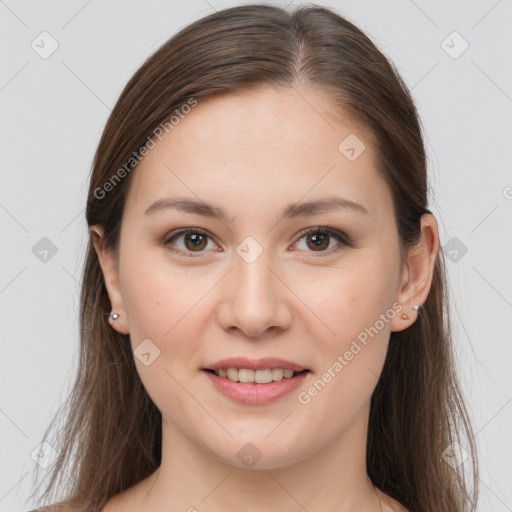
(264, 318)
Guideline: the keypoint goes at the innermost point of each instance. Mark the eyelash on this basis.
(322, 230)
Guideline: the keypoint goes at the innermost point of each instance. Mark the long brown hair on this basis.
(111, 437)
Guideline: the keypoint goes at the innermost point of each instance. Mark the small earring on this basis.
(114, 316)
(417, 308)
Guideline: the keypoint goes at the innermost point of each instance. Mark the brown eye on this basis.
(319, 239)
(194, 240)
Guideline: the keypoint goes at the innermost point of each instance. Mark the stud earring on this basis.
(417, 308)
(114, 316)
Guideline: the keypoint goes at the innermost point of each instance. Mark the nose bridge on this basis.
(255, 295)
(252, 276)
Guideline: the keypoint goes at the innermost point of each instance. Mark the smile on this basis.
(247, 375)
(252, 392)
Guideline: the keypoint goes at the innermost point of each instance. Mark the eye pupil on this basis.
(196, 239)
(318, 239)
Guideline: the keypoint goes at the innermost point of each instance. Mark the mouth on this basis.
(255, 382)
(260, 376)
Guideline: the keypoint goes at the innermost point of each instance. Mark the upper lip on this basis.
(255, 364)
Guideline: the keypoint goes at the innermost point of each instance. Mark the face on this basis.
(196, 289)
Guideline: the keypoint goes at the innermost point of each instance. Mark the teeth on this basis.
(263, 376)
(232, 374)
(246, 375)
(277, 374)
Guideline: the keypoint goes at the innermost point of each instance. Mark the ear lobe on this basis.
(417, 273)
(109, 267)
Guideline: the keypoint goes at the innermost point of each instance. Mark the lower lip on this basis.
(254, 394)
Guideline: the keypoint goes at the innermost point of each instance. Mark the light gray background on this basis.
(53, 111)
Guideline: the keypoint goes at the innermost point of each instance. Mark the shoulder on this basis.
(56, 507)
(389, 504)
(395, 506)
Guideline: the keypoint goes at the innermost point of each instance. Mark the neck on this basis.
(190, 478)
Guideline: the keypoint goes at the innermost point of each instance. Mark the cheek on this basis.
(356, 306)
(355, 295)
(158, 296)
(351, 360)
(164, 308)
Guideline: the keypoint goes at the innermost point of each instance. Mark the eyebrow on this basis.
(294, 210)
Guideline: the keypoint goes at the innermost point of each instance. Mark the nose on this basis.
(254, 298)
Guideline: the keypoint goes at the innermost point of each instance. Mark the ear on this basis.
(110, 269)
(417, 273)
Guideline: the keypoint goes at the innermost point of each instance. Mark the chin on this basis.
(253, 452)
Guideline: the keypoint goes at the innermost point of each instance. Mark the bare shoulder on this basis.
(398, 507)
(129, 500)
(392, 505)
(55, 507)
(117, 503)
(122, 502)
(389, 504)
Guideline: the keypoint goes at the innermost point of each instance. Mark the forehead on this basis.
(260, 145)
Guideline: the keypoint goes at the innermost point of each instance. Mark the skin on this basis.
(254, 153)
